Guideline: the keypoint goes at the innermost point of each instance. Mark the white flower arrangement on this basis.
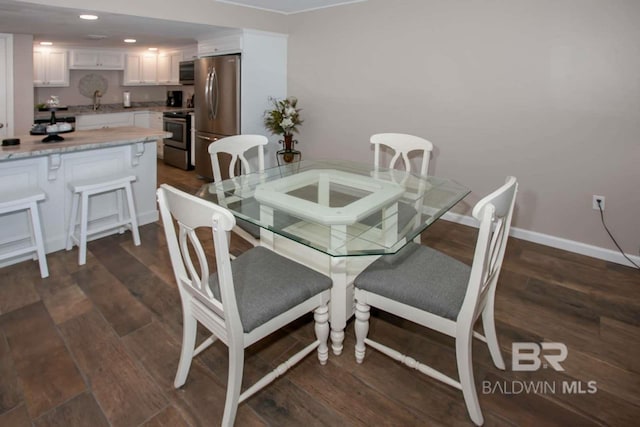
(284, 118)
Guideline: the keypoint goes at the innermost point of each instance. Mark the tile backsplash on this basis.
(113, 95)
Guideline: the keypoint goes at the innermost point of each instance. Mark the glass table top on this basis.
(340, 208)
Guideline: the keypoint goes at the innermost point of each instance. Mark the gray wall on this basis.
(546, 90)
(22, 83)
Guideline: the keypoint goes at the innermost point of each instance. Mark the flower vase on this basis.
(288, 154)
(288, 142)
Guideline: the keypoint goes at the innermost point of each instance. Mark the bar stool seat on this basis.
(82, 190)
(16, 201)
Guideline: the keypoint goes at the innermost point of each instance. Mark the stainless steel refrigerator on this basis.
(217, 108)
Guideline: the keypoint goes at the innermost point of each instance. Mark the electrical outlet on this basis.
(595, 202)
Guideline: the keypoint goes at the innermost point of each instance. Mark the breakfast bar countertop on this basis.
(32, 145)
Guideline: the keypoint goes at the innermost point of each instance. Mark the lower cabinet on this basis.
(100, 121)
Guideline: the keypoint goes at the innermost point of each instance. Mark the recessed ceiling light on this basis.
(129, 40)
(46, 43)
(89, 17)
(96, 36)
(153, 49)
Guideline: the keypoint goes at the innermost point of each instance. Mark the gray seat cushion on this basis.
(267, 285)
(421, 277)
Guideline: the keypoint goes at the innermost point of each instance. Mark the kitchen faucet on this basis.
(96, 99)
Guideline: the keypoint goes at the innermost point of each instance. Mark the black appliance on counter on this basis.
(177, 148)
(174, 98)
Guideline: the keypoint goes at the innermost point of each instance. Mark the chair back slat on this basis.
(189, 238)
(497, 239)
(192, 213)
(402, 145)
(494, 213)
(237, 146)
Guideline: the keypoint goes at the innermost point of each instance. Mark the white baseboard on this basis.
(554, 242)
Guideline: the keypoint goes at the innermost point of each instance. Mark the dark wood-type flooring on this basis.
(98, 345)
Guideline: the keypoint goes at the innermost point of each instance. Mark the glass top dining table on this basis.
(336, 217)
(340, 208)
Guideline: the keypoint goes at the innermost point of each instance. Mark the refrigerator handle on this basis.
(216, 93)
(210, 99)
(207, 96)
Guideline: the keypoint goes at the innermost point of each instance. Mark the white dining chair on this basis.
(401, 145)
(244, 300)
(438, 292)
(237, 146)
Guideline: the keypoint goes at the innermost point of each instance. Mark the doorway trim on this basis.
(6, 81)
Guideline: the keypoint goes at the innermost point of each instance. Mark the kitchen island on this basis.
(82, 155)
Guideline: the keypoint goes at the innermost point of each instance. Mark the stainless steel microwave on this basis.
(186, 72)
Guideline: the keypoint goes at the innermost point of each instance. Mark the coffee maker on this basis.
(174, 98)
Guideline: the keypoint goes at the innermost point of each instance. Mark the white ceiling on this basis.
(289, 7)
(63, 27)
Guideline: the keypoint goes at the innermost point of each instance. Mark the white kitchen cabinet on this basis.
(151, 120)
(169, 68)
(231, 43)
(148, 119)
(50, 68)
(140, 69)
(99, 121)
(85, 59)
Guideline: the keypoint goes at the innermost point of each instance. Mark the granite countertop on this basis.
(32, 145)
(78, 110)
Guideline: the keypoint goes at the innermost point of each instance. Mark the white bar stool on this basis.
(82, 191)
(16, 201)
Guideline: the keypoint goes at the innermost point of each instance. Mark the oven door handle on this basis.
(176, 121)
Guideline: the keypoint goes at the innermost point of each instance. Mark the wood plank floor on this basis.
(98, 345)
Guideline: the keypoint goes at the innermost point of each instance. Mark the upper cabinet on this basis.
(140, 69)
(85, 59)
(50, 68)
(221, 45)
(169, 68)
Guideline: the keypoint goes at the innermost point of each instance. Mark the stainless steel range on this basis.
(177, 149)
